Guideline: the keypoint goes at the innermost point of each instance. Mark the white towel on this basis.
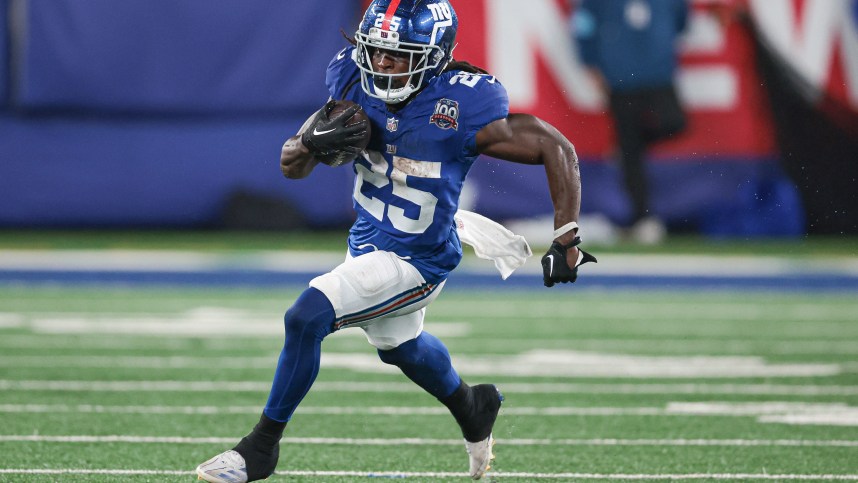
(492, 241)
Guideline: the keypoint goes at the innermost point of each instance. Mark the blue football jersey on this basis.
(407, 186)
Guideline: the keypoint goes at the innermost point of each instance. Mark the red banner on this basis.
(528, 46)
(817, 41)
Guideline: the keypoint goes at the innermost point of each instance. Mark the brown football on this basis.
(343, 157)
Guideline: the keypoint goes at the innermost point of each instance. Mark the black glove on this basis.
(328, 135)
(554, 266)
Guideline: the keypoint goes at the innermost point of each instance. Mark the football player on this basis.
(431, 117)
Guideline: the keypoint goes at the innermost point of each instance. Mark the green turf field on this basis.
(141, 384)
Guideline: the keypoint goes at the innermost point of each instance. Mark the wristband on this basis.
(565, 229)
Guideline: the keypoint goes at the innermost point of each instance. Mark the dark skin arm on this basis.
(526, 139)
(296, 161)
(520, 138)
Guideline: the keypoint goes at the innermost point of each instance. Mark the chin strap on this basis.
(387, 99)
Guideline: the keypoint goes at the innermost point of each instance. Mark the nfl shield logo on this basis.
(392, 124)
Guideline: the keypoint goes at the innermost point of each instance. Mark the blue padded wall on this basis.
(109, 172)
(154, 112)
(4, 53)
(180, 56)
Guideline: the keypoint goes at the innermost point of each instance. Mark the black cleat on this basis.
(484, 404)
(260, 459)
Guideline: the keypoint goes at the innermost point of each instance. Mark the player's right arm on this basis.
(322, 134)
(296, 159)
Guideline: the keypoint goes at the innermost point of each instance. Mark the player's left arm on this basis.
(523, 138)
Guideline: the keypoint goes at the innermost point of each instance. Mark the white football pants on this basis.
(380, 293)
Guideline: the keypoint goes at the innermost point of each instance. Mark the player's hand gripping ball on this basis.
(339, 132)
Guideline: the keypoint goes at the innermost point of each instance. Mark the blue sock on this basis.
(307, 322)
(426, 361)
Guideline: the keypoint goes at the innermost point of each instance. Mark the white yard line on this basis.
(167, 260)
(330, 410)
(794, 413)
(535, 362)
(445, 475)
(455, 307)
(512, 388)
(628, 310)
(30, 438)
(699, 346)
(294, 261)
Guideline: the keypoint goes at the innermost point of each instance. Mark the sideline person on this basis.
(630, 50)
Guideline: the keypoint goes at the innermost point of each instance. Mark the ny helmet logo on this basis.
(440, 11)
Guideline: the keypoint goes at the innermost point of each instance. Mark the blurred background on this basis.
(149, 246)
(170, 114)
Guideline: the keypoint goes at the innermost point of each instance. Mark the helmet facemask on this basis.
(389, 87)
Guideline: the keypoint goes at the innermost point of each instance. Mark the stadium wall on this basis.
(155, 113)
(4, 53)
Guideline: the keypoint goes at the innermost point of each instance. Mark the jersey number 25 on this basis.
(378, 208)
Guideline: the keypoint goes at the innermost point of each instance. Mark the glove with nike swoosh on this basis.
(556, 269)
(328, 135)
